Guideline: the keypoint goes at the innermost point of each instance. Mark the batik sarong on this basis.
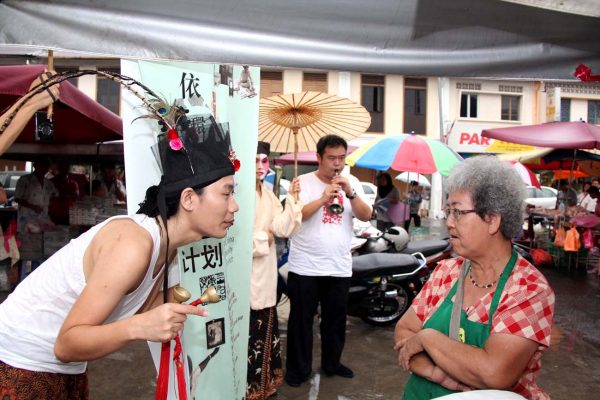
(20, 384)
(265, 372)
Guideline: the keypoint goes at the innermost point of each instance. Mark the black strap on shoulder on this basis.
(162, 209)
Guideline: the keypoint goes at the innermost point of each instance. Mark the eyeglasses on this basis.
(456, 213)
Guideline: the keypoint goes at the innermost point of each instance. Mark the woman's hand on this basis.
(164, 322)
(407, 348)
(441, 378)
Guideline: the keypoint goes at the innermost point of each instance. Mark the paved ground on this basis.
(569, 368)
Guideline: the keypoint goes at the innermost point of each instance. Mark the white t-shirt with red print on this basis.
(322, 245)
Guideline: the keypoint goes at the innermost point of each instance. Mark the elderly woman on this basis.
(483, 318)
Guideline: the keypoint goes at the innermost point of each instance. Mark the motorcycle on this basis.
(396, 240)
(388, 271)
(383, 285)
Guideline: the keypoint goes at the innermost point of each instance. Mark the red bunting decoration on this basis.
(584, 74)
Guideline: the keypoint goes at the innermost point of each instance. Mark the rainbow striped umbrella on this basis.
(405, 152)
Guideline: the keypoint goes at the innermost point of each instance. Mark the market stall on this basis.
(568, 235)
(544, 225)
(85, 133)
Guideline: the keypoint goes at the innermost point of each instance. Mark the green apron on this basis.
(473, 333)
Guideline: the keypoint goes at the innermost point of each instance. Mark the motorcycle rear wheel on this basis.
(379, 309)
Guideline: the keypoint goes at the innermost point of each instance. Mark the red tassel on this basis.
(162, 385)
(181, 386)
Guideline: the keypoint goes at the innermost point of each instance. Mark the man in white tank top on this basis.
(104, 289)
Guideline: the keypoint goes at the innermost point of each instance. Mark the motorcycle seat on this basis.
(426, 247)
(382, 264)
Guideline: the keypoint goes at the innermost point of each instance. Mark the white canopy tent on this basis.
(495, 38)
(529, 39)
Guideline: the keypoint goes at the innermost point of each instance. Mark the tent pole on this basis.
(50, 110)
(295, 133)
(572, 167)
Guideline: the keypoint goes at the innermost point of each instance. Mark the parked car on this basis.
(370, 192)
(9, 179)
(544, 197)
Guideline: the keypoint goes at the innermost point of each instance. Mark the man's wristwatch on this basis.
(351, 196)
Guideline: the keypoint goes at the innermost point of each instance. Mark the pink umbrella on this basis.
(526, 174)
(585, 221)
(558, 135)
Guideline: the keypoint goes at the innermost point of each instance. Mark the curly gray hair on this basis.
(495, 187)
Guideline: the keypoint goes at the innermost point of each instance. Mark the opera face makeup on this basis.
(262, 165)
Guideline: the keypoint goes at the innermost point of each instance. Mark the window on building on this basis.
(415, 105)
(565, 110)
(414, 101)
(468, 105)
(271, 83)
(372, 99)
(594, 112)
(468, 86)
(510, 108)
(108, 93)
(314, 82)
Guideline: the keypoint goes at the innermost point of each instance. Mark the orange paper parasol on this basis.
(296, 122)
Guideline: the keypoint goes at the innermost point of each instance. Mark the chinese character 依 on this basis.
(189, 86)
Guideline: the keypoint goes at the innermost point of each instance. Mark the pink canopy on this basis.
(78, 119)
(558, 135)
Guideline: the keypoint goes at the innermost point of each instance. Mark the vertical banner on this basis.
(215, 347)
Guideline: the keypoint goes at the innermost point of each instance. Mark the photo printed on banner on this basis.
(215, 333)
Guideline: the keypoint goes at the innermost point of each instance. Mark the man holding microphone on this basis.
(320, 263)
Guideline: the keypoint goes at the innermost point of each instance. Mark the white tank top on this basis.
(31, 317)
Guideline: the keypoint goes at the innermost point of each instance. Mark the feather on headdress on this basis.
(168, 116)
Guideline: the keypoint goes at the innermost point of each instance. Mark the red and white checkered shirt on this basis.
(526, 309)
